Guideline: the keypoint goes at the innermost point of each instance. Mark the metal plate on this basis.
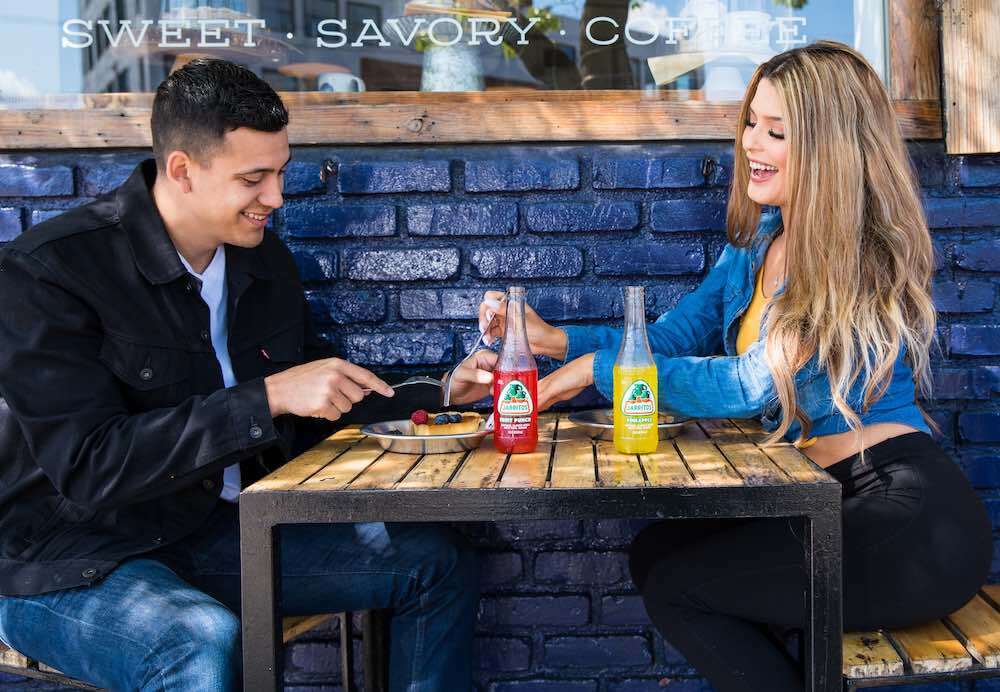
(600, 425)
(421, 444)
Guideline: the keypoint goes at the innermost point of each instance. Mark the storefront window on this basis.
(691, 50)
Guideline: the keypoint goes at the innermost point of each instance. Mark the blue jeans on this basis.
(169, 620)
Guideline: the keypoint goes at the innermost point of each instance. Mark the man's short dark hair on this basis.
(198, 104)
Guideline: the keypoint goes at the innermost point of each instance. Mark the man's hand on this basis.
(566, 382)
(473, 379)
(325, 388)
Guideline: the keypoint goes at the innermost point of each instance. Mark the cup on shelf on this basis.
(339, 81)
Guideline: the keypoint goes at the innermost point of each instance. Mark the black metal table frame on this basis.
(262, 512)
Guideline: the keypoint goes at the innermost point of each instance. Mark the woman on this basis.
(816, 318)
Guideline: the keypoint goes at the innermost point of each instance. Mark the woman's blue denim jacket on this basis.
(700, 374)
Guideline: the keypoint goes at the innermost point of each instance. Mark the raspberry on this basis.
(419, 417)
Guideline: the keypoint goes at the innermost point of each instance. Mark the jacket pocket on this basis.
(279, 350)
(150, 376)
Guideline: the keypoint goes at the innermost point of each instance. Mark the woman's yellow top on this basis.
(750, 324)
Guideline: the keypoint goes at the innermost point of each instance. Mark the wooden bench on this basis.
(374, 643)
(966, 644)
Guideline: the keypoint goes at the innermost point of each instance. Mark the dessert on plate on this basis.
(445, 423)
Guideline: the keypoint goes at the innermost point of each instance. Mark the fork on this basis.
(416, 379)
(490, 316)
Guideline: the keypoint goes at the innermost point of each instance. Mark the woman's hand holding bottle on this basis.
(544, 339)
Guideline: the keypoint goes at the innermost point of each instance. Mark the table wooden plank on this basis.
(301, 467)
(979, 622)
(432, 471)
(664, 467)
(617, 470)
(870, 655)
(784, 454)
(532, 470)
(351, 433)
(573, 461)
(528, 470)
(387, 470)
(481, 468)
(932, 648)
(10, 657)
(708, 465)
(344, 468)
(568, 430)
(751, 463)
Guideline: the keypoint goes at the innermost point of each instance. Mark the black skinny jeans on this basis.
(917, 546)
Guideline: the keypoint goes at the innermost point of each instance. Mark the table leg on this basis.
(260, 581)
(824, 630)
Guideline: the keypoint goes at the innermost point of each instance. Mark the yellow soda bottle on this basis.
(635, 383)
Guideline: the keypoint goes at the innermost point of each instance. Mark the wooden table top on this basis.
(708, 453)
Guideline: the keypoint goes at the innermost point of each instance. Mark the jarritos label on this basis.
(515, 400)
(638, 400)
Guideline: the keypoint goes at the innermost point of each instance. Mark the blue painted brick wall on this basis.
(397, 246)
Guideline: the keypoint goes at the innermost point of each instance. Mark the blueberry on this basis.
(455, 417)
(441, 419)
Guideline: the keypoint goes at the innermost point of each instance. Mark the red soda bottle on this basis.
(515, 384)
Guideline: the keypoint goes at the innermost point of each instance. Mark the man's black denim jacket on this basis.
(119, 426)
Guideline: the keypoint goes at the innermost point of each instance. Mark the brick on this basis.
(958, 212)
(663, 684)
(648, 173)
(970, 295)
(979, 171)
(400, 348)
(575, 217)
(101, 179)
(10, 223)
(544, 686)
(982, 468)
(502, 654)
(393, 176)
(980, 426)
(953, 383)
(322, 219)
(18, 180)
(402, 265)
(302, 177)
(539, 261)
(575, 303)
(563, 567)
(597, 652)
(462, 219)
(431, 304)
(538, 530)
(975, 340)
(945, 421)
(623, 609)
(316, 265)
(688, 215)
(521, 174)
(649, 259)
(500, 569)
(618, 529)
(979, 255)
(39, 215)
(540, 611)
(315, 657)
(347, 307)
(929, 163)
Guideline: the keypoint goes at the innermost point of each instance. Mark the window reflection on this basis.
(685, 49)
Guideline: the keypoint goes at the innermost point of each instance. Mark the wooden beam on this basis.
(914, 53)
(122, 120)
(971, 60)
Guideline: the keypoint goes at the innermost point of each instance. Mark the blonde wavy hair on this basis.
(859, 256)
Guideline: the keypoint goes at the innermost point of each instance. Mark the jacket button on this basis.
(255, 432)
(205, 336)
(189, 287)
(208, 484)
(89, 573)
(146, 374)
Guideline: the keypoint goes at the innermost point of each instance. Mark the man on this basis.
(156, 355)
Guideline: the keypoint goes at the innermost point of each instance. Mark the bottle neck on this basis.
(635, 345)
(515, 352)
